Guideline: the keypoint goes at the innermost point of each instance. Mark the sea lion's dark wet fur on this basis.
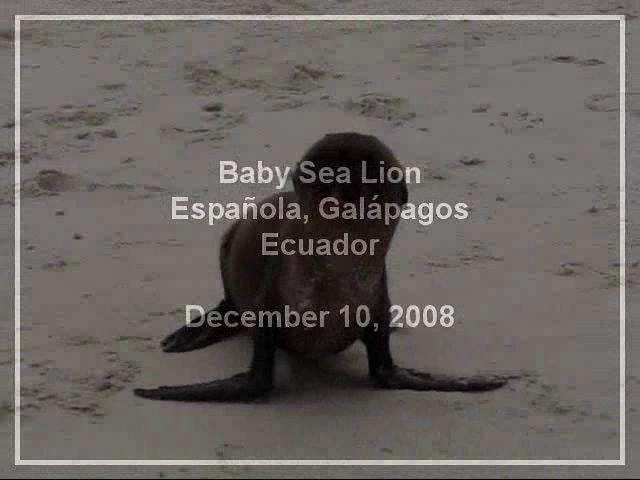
(253, 282)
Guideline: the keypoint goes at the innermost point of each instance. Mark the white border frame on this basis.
(622, 112)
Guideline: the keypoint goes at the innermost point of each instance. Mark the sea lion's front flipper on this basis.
(255, 384)
(190, 337)
(243, 387)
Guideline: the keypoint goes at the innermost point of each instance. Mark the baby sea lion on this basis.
(255, 282)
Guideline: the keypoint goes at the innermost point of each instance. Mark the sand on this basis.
(519, 120)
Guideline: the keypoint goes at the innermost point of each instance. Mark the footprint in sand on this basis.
(586, 62)
(212, 125)
(6, 39)
(287, 104)
(431, 45)
(519, 121)
(112, 87)
(111, 380)
(470, 160)
(205, 79)
(77, 390)
(76, 117)
(607, 102)
(6, 409)
(393, 109)
(56, 181)
(546, 399)
(81, 341)
(27, 153)
(303, 78)
(104, 133)
(47, 183)
(6, 157)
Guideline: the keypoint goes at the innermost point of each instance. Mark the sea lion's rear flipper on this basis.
(386, 374)
(189, 337)
(409, 379)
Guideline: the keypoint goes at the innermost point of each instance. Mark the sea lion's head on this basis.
(347, 156)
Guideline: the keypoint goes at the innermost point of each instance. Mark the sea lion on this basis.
(255, 282)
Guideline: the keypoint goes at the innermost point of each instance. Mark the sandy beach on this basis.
(519, 120)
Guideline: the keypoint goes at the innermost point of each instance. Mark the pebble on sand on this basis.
(212, 107)
(108, 133)
(481, 108)
(470, 161)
